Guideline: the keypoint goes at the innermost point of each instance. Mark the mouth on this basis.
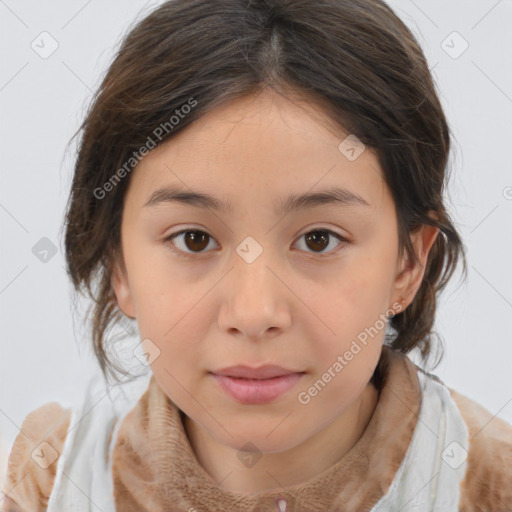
(256, 386)
(268, 371)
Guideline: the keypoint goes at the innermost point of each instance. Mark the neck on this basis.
(276, 470)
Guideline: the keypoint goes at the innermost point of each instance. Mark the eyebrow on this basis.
(335, 195)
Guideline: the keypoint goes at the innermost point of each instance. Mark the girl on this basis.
(259, 187)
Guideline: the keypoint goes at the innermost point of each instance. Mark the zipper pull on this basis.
(281, 505)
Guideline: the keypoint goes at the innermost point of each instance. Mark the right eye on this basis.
(193, 239)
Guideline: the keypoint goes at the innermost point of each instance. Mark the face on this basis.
(254, 283)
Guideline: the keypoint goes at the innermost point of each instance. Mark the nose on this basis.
(256, 302)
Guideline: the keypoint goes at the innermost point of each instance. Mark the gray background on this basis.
(45, 354)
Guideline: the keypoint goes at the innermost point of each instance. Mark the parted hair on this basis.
(355, 58)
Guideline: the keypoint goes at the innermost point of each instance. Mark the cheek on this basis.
(367, 285)
(351, 299)
(339, 384)
(350, 318)
(177, 323)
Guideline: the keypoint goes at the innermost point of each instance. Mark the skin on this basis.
(211, 309)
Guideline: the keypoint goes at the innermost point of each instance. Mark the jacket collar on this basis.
(154, 466)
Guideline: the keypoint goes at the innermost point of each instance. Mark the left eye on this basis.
(320, 239)
(196, 240)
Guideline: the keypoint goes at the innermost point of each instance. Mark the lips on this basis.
(262, 372)
(252, 386)
(257, 391)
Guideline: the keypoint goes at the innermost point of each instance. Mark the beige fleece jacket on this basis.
(153, 459)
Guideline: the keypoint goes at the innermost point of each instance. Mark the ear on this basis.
(409, 276)
(120, 285)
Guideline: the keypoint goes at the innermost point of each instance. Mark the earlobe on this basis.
(121, 288)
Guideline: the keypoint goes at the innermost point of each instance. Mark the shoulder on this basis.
(487, 484)
(33, 458)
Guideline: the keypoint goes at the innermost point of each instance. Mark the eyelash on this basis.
(179, 252)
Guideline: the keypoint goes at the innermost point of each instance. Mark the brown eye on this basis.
(319, 239)
(194, 241)
(191, 241)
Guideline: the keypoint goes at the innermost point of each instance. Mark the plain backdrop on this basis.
(45, 354)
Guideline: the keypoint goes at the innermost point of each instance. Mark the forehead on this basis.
(255, 146)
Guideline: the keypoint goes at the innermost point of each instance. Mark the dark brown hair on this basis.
(355, 58)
